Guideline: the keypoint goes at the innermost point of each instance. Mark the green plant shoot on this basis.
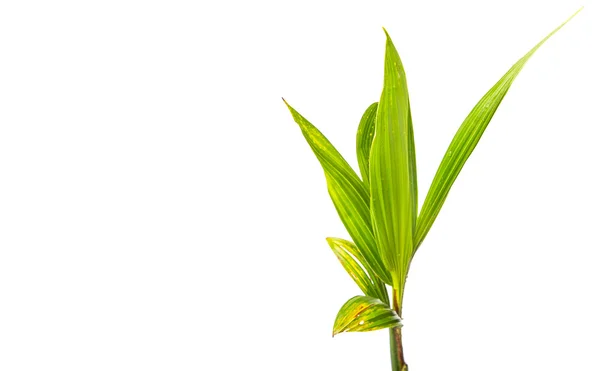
(379, 208)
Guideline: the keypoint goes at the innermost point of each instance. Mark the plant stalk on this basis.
(396, 351)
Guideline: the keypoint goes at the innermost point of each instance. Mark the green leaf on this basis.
(351, 266)
(364, 139)
(348, 193)
(465, 141)
(350, 257)
(364, 313)
(393, 171)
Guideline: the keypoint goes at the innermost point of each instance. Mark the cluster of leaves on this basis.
(379, 208)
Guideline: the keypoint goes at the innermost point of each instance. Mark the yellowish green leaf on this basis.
(464, 143)
(393, 171)
(348, 193)
(351, 259)
(358, 274)
(363, 313)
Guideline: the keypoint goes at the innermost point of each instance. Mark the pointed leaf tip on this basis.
(574, 14)
(386, 33)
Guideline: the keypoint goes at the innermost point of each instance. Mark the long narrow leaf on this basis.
(464, 142)
(348, 193)
(364, 139)
(363, 313)
(393, 171)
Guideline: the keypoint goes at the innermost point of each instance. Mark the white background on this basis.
(160, 210)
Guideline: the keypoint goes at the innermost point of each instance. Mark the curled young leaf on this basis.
(364, 313)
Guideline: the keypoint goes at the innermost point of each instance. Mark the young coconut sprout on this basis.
(379, 208)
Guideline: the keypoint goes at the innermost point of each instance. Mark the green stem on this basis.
(396, 351)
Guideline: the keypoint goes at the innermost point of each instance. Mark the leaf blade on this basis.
(364, 313)
(347, 192)
(392, 170)
(464, 142)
